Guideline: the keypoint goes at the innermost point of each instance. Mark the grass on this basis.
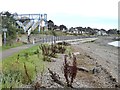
(0, 48)
(14, 74)
(5, 47)
(13, 68)
(68, 50)
(49, 32)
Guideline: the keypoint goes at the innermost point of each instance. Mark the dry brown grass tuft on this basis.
(70, 71)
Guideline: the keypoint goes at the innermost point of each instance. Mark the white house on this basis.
(101, 32)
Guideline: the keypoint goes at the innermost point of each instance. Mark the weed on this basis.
(26, 56)
(70, 71)
(26, 72)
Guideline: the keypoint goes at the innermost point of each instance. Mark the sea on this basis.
(115, 43)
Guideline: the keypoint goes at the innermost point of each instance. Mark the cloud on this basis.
(70, 10)
(81, 7)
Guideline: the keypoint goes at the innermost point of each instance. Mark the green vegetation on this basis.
(49, 32)
(51, 51)
(8, 22)
(8, 46)
(21, 68)
(0, 48)
(68, 50)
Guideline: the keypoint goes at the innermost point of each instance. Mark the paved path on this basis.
(11, 51)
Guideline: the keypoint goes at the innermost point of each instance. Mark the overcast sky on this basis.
(92, 13)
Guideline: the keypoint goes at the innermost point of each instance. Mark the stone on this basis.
(83, 69)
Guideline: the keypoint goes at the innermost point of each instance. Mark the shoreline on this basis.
(102, 54)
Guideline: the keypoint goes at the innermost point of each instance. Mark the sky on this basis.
(72, 13)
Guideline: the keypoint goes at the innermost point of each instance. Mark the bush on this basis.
(51, 51)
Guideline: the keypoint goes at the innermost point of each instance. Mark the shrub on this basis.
(70, 71)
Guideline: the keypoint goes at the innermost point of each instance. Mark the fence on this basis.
(53, 39)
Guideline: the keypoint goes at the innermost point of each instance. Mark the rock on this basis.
(53, 60)
(96, 70)
(83, 69)
(112, 78)
(117, 86)
(76, 53)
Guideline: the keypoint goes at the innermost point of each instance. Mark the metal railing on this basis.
(52, 39)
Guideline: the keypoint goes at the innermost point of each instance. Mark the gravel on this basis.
(98, 57)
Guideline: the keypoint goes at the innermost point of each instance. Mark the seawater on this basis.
(115, 43)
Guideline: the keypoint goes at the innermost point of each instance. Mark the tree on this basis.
(112, 31)
(56, 27)
(8, 22)
(50, 25)
(71, 29)
(8, 14)
(91, 30)
(118, 31)
(62, 27)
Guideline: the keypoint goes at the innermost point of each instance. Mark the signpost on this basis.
(4, 30)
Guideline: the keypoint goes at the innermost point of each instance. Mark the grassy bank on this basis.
(51, 32)
(0, 48)
(8, 46)
(21, 68)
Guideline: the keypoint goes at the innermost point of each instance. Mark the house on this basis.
(101, 32)
(76, 31)
(80, 30)
(64, 30)
(71, 30)
(56, 28)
